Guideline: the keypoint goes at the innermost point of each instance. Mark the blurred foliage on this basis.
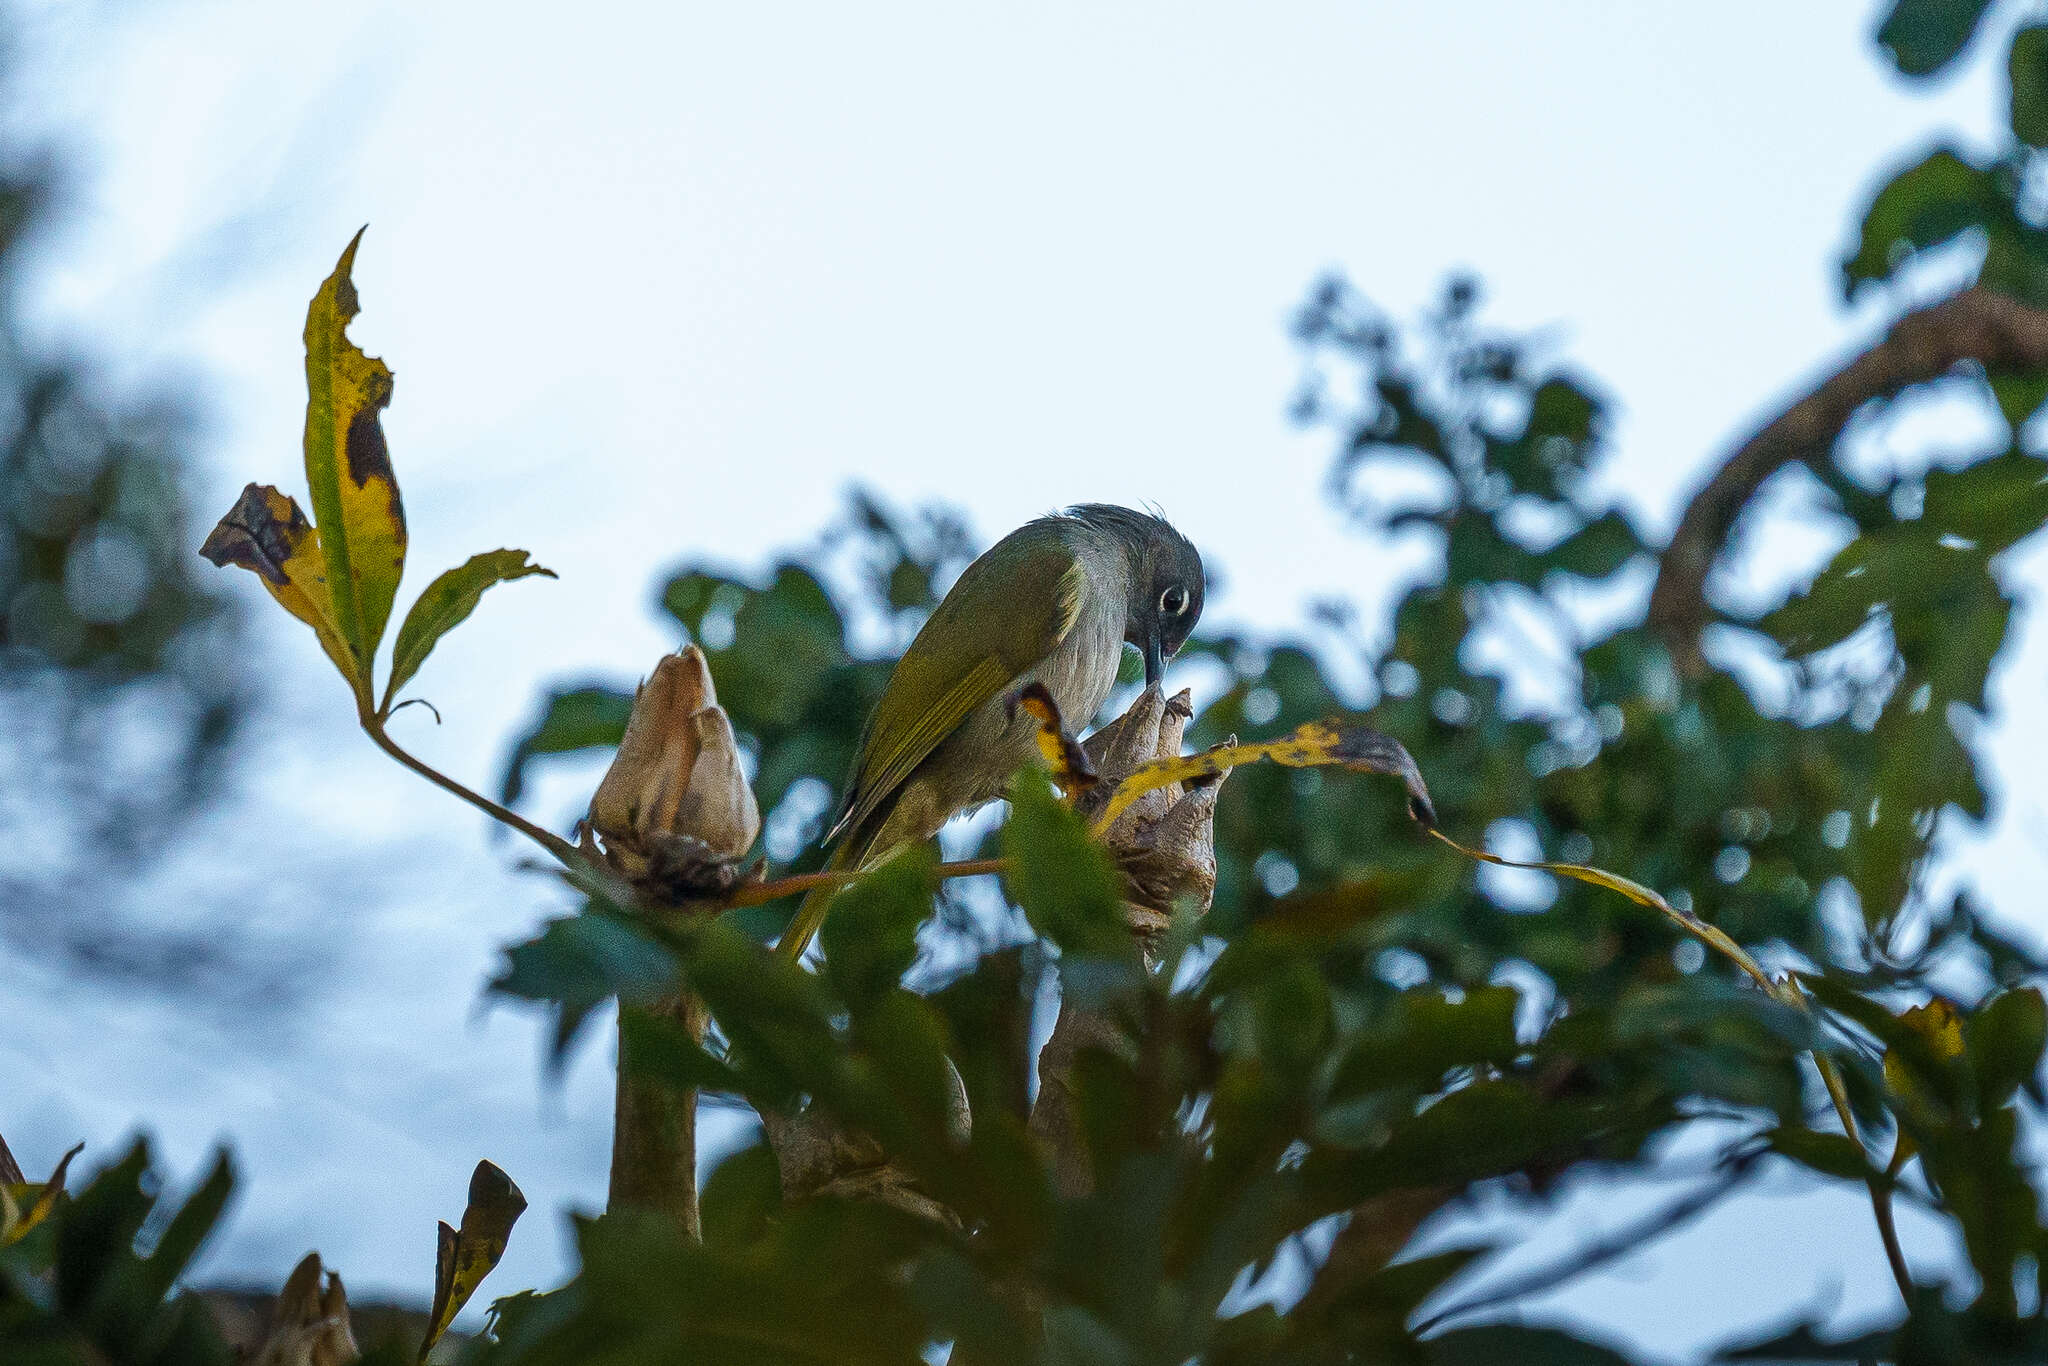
(1281, 1084)
(88, 1287)
(1272, 1098)
(1358, 1020)
(115, 656)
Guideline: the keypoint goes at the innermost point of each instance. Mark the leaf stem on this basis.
(1880, 1195)
(1786, 991)
(569, 855)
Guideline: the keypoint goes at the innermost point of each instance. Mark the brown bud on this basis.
(309, 1324)
(1165, 842)
(676, 781)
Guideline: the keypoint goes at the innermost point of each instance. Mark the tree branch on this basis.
(1623, 1242)
(1997, 332)
(654, 1132)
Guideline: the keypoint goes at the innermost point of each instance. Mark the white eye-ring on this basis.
(1174, 601)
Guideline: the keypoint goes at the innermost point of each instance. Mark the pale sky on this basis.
(660, 280)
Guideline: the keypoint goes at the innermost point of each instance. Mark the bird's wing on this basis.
(1005, 615)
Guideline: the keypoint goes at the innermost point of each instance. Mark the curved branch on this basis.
(1997, 332)
(569, 855)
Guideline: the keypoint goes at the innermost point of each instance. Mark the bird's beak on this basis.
(1155, 658)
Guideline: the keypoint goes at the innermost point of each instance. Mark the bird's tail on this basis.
(810, 914)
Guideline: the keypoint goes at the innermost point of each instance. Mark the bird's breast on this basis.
(1081, 671)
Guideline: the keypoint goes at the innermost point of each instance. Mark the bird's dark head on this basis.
(1166, 580)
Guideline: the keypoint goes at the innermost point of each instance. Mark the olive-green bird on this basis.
(1053, 601)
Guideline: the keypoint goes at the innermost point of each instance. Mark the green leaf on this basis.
(1505, 1342)
(1477, 551)
(657, 1046)
(1560, 439)
(1827, 1153)
(1598, 548)
(870, 939)
(591, 716)
(1923, 36)
(2015, 257)
(1920, 207)
(79, 1289)
(824, 1287)
(1424, 1035)
(2019, 395)
(581, 961)
(348, 469)
(446, 604)
(777, 1016)
(2006, 1038)
(2028, 65)
(742, 1195)
(1485, 1129)
(787, 639)
(1996, 502)
(1063, 880)
(188, 1229)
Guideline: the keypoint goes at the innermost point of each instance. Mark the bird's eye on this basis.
(1174, 601)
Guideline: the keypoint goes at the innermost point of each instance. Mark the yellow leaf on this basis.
(1940, 1026)
(1318, 743)
(348, 468)
(465, 1256)
(15, 1222)
(266, 533)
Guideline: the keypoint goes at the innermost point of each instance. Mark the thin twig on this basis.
(756, 893)
(1785, 990)
(1880, 1193)
(568, 853)
(1600, 1252)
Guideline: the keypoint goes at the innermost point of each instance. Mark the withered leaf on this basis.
(465, 1256)
(1343, 744)
(266, 533)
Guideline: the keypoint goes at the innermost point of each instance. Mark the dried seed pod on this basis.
(309, 1324)
(676, 798)
(1165, 842)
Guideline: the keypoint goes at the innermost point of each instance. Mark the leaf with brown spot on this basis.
(1316, 744)
(464, 1257)
(267, 534)
(446, 604)
(348, 468)
(1070, 766)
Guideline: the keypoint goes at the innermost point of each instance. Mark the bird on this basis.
(1053, 602)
